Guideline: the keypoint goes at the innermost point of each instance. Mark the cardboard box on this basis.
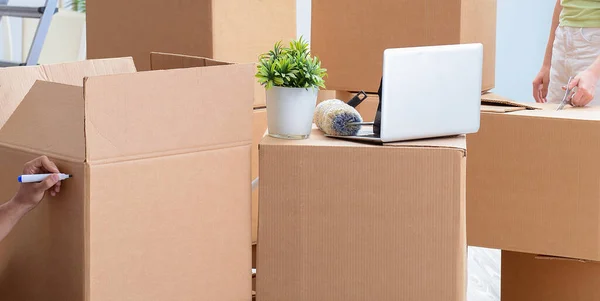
(259, 128)
(534, 181)
(324, 95)
(339, 222)
(161, 61)
(159, 206)
(528, 277)
(350, 36)
(15, 82)
(227, 30)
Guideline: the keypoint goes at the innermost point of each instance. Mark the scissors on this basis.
(566, 99)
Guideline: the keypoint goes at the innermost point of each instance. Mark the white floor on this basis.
(483, 274)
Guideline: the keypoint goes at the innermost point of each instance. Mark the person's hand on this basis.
(540, 85)
(586, 87)
(30, 194)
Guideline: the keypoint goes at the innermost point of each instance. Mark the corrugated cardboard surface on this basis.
(527, 277)
(348, 221)
(15, 82)
(259, 127)
(42, 258)
(534, 182)
(164, 61)
(153, 211)
(350, 37)
(229, 30)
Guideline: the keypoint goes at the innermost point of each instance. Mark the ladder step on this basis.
(10, 64)
(22, 11)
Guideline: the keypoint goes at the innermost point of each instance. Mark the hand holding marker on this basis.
(36, 178)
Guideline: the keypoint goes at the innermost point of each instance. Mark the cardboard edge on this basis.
(558, 258)
(491, 99)
(208, 62)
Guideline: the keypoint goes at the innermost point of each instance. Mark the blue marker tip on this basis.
(20, 179)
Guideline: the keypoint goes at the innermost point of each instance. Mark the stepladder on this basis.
(44, 14)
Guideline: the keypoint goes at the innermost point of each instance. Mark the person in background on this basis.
(573, 49)
(29, 195)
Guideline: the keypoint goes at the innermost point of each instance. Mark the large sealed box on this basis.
(349, 36)
(159, 205)
(534, 180)
(228, 30)
(349, 221)
(529, 277)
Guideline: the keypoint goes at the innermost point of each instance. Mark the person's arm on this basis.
(29, 194)
(554, 26)
(541, 81)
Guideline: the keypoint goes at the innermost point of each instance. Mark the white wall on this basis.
(522, 33)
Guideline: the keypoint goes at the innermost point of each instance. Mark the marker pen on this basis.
(40, 177)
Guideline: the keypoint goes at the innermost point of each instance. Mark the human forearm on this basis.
(555, 22)
(10, 214)
(595, 67)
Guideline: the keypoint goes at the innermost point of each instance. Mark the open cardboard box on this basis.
(159, 204)
(533, 180)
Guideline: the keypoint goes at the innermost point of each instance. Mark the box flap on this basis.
(317, 138)
(15, 82)
(49, 121)
(168, 111)
(163, 61)
(548, 257)
(584, 114)
(491, 102)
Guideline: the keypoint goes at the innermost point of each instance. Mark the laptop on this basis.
(427, 92)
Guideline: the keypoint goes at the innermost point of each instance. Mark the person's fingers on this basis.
(578, 98)
(545, 91)
(48, 165)
(574, 83)
(536, 92)
(47, 183)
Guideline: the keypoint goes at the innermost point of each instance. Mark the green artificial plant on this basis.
(291, 67)
(77, 5)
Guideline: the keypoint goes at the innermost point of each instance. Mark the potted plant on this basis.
(292, 78)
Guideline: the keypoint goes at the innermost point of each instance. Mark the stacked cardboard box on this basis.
(349, 36)
(534, 189)
(350, 41)
(350, 221)
(226, 30)
(158, 207)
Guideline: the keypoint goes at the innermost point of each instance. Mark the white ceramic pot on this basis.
(290, 112)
